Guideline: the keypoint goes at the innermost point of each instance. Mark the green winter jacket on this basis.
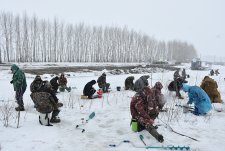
(19, 79)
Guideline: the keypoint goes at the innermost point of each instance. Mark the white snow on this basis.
(111, 124)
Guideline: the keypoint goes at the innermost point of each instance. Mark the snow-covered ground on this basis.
(111, 124)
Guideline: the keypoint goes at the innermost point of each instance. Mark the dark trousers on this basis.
(176, 83)
(105, 87)
(19, 96)
(92, 91)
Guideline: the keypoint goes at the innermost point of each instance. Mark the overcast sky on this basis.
(200, 22)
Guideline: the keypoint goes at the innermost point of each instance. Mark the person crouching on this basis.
(144, 109)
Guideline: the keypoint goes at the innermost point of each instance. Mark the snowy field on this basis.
(111, 123)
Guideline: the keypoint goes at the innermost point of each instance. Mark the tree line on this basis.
(30, 39)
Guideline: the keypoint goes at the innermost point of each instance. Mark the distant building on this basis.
(196, 64)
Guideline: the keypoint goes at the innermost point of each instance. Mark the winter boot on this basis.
(54, 118)
(59, 104)
(155, 134)
(20, 108)
(180, 97)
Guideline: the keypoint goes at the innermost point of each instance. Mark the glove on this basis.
(160, 138)
(11, 81)
(59, 104)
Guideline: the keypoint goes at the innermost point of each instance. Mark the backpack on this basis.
(43, 101)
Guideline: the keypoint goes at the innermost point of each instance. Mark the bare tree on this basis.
(25, 39)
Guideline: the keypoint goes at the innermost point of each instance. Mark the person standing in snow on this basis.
(212, 72)
(217, 72)
(129, 84)
(202, 102)
(184, 75)
(20, 85)
(144, 109)
(177, 78)
(89, 90)
(141, 83)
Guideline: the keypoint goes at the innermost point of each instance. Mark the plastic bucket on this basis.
(118, 88)
(134, 125)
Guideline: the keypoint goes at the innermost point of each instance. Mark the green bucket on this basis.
(134, 125)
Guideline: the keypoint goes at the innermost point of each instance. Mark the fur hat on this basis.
(38, 78)
(158, 85)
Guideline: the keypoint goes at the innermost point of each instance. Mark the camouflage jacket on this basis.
(144, 107)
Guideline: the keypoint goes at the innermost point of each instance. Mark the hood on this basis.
(14, 68)
(92, 82)
(158, 85)
(185, 87)
(37, 78)
(145, 77)
(132, 77)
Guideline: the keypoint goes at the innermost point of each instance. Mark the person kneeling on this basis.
(45, 101)
(199, 97)
(144, 109)
(89, 90)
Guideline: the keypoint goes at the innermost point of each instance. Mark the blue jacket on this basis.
(199, 97)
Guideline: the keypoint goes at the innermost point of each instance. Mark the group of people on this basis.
(60, 83)
(138, 85)
(144, 107)
(212, 72)
(89, 89)
(43, 94)
(147, 102)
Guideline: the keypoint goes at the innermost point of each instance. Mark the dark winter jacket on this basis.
(199, 97)
(54, 83)
(101, 80)
(210, 87)
(129, 84)
(217, 71)
(62, 80)
(176, 75)
(184, 75)
(211, 72)
(141, 83)
(88, 89)
(144, 107)
(19, 79)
